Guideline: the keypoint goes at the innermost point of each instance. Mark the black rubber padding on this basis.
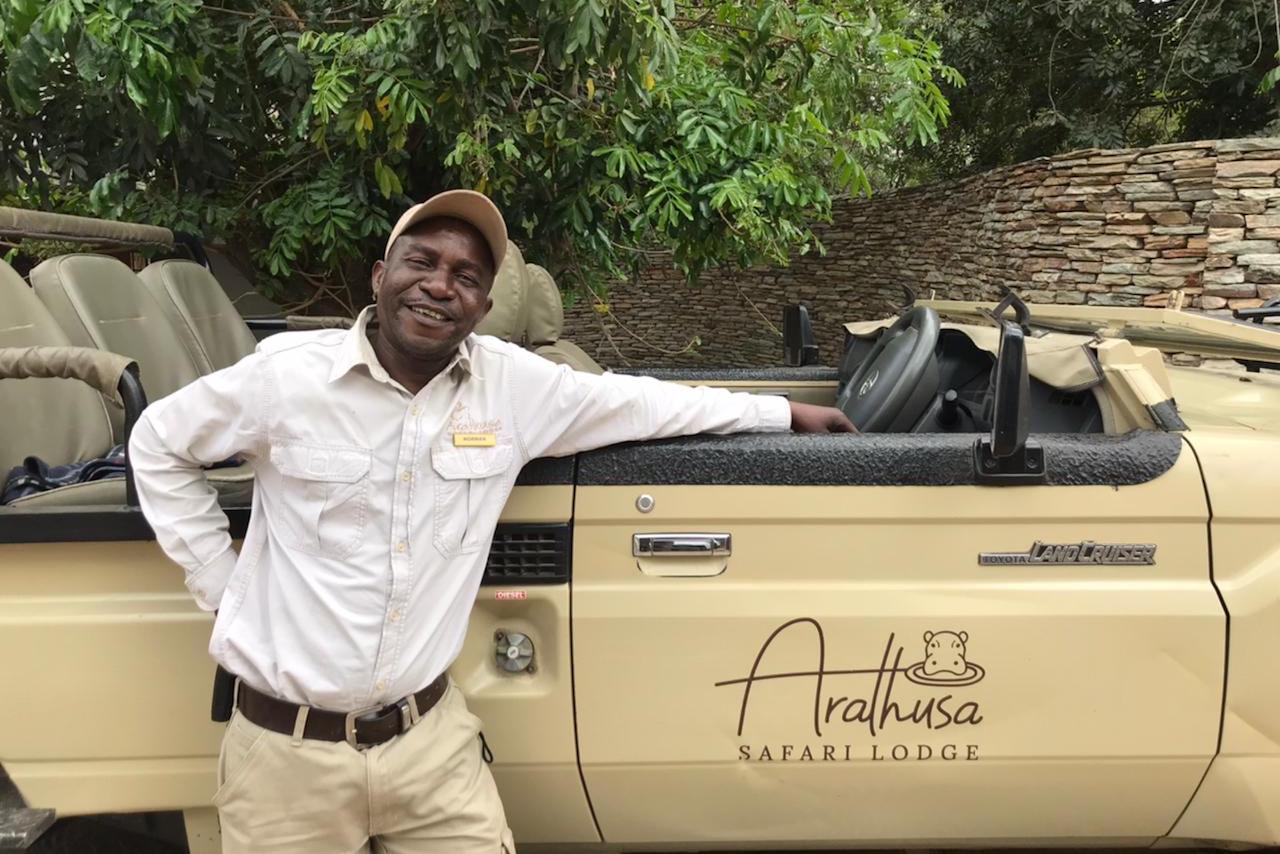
(883, 459)
(813, 373)
(1165, 414)
(546, 471)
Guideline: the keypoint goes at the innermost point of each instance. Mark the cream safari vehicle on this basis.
(1036, 604)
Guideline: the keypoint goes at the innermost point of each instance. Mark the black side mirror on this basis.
(798, 345)
(1008, 456)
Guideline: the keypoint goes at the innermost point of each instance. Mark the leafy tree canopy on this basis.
(1055, 75)
(603, 128)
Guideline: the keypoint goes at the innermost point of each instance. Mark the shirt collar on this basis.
(357, 350)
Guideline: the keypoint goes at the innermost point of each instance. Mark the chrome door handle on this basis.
(681, 545)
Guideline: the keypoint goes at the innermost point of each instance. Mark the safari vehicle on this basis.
(1037, 603)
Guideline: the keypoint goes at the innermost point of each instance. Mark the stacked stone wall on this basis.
(1121, 227)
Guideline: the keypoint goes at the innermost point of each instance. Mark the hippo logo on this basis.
(945, 661)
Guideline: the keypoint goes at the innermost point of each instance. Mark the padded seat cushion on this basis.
(99, 302)
(95, 492)
(568, 353)
(234, 485)
(506, 319)
(546, 325)
(58, 420)
(200, 311)
(546, 309)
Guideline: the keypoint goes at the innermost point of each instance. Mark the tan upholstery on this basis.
(546, 324)
(94, 492)
(506, 320)
(308, 323)
(62, 420)
(213, 333)
(41, 225)
(568, 353)
(58, 420)
(546, 309)
(99, 302)
(97, 369)
(247, 301)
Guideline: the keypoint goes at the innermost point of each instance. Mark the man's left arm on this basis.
(561, 411)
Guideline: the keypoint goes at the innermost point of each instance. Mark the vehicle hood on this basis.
(1165, 329)
(1212, 398)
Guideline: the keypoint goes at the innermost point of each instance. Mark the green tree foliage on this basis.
(603, 128)
(1055, 75)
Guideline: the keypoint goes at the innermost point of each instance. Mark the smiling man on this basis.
(383, 457)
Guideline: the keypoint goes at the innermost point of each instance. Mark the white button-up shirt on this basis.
(371, 518)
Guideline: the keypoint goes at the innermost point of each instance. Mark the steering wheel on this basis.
(890, 389)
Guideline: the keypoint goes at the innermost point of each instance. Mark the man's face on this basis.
(433, 288)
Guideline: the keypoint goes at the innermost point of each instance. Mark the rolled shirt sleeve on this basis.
(561, 411)
(211, 420)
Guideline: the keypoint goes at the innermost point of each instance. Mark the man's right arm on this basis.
(217, 417)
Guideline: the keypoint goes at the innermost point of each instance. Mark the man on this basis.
(383, 457)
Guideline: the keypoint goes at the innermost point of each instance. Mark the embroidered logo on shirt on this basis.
(471, 432)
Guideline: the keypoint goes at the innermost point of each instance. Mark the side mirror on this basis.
(1008, 456)
(798, 345)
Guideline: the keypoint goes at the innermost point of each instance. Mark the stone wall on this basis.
(1098, 227)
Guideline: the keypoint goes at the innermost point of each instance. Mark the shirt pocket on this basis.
(324, 496)
(465, 477)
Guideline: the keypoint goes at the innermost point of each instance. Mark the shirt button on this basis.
(395, 616)
(401, 546)
(381, 686)
(406, 476)
(414, 410)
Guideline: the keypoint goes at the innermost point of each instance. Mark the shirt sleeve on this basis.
(217, 417)
(561, 411)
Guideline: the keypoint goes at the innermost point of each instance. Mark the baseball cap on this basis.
(466, 205)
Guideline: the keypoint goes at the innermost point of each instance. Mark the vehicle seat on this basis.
(214, 334)
(58, 420)
(506, 320)
(99, 302)
(546, 324)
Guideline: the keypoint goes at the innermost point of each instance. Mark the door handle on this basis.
(681, 545)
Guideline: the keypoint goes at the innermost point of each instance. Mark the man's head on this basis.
(432, 286)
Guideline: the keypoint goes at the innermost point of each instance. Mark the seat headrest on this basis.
(213, 332)
(506, 319)
(99, 302)
(546, 309)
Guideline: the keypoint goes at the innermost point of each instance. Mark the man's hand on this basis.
(807, 418)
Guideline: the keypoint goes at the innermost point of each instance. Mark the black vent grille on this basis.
(529, 554)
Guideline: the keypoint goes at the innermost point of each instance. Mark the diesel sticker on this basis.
(886, 700)
(1086, 553)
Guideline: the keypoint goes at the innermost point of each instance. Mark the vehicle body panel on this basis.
(1098, 710)
(114, 644)
(1210, 398)
(1240, 797)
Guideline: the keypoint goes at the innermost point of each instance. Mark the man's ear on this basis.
(379, 270)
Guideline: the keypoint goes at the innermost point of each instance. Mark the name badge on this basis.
(475, 440)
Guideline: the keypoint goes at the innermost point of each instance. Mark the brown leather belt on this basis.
(361, 729)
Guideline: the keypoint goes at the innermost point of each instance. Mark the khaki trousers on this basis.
(426, 790)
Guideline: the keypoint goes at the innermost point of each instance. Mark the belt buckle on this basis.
(399, 707)
(349, 726)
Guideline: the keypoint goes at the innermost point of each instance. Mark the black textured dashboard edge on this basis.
(885, 459)
(546, 471)
(711, 375)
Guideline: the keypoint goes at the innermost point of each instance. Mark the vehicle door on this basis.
(844, 638)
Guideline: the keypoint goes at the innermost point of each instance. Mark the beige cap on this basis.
(466, 205)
